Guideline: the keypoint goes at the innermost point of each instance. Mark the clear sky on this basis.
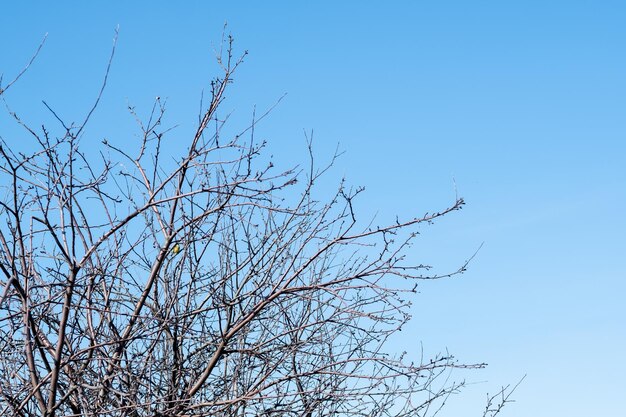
(521, 104)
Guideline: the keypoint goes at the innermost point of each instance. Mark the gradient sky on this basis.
(519, 106)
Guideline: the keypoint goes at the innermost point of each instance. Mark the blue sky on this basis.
(520, 104)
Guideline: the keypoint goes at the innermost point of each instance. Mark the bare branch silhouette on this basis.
(213, 286)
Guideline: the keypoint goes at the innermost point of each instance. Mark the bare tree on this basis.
(216, 285)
